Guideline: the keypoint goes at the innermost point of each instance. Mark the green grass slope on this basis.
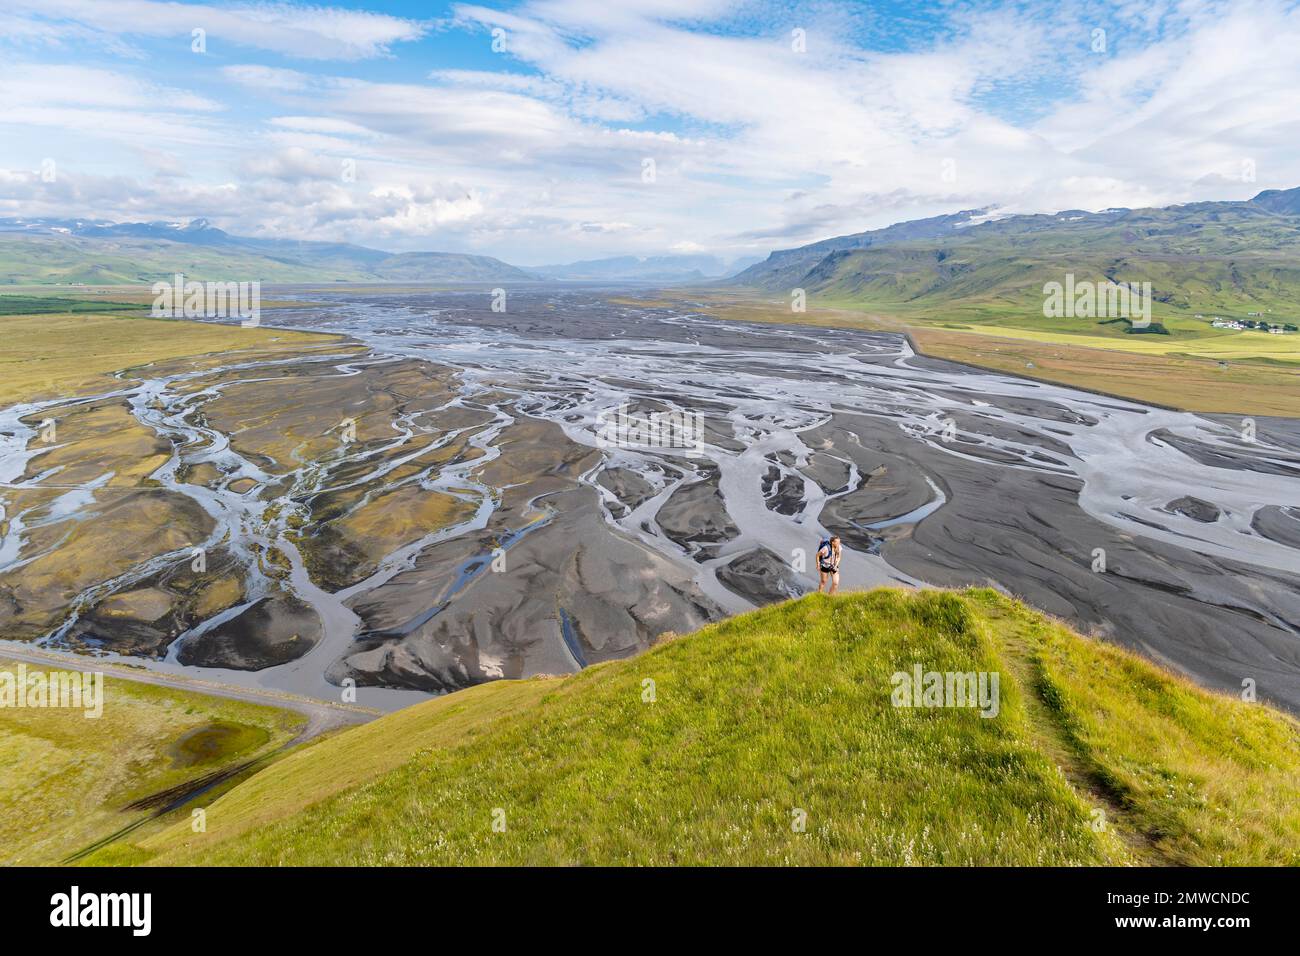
(711, 748)
(986, 284)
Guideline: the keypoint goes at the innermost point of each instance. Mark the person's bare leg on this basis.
(821, 580)
(835, 582)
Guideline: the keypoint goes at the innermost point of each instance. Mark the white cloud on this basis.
(91, 103)
(308, 32)
(319, 124)
(753, 143)
(92, 88)
(268, 78)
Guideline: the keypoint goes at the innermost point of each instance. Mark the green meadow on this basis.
(67, 780)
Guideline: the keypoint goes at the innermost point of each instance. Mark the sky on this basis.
(547, 131)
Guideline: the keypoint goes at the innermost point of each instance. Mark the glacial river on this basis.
(572, 357)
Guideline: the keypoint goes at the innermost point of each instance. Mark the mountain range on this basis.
(1209, 255)
(90, 251)
(100, 252)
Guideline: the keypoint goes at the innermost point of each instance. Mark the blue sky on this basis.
(549, 130)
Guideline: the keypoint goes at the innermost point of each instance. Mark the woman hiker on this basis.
(828, 564)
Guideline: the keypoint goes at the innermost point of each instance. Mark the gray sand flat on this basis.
(696, 517)
(761, 577)
(272, 631)
(1194, 508)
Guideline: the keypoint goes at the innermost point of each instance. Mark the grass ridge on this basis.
(781, 712)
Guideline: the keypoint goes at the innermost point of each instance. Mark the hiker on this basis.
(828, 563)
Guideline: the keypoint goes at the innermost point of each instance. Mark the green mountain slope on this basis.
(1232, 258)
(714, 748)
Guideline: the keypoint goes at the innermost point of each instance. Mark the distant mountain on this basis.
(448, 267)
(94, 251)
(791, 263)
(676, 268)
(1199, 255)
(98, 251)
(1284, 202)
(197, 231)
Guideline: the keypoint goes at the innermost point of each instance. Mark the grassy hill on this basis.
(711, 748)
